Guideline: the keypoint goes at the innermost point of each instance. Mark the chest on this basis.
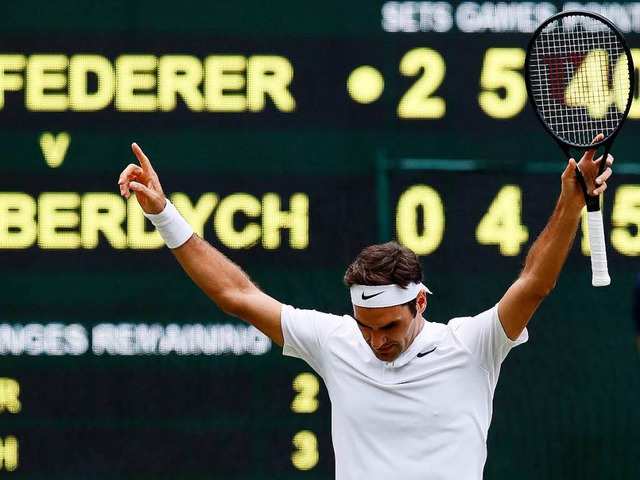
(435, 391)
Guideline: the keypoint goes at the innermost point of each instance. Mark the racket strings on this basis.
(580, 79)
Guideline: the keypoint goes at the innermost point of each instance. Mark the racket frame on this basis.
(600, 275)
(566, 145)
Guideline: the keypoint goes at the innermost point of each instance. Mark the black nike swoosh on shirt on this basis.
(367, 297)
(422, 354)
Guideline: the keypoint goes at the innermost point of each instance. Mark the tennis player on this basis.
(411, 399)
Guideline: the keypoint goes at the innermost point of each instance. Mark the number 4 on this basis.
(502, 225)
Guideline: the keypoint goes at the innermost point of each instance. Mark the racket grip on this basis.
(599, 270)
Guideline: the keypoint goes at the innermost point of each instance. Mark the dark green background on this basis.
(567, 402)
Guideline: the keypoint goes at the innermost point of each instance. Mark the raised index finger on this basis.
(591, 153)
(142, 158)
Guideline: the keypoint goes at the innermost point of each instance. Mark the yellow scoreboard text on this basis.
(147, 83)
(72, 220)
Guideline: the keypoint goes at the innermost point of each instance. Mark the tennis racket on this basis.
(580, 80)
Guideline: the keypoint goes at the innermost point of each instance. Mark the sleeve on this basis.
(485, 338)
(305, 333)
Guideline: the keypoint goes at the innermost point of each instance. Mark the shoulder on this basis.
(484, 336)
(308, 334)
(300, 314)
(322, 323)
(489, 316)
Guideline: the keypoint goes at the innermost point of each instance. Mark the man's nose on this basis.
(378, 339)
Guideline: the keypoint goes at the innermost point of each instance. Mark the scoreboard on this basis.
(290, 135)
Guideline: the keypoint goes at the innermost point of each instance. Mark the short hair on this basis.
(385, 264)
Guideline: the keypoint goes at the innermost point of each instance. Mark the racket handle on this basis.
(599, 270)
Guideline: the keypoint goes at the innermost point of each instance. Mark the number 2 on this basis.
(418, 101)
(307, 386)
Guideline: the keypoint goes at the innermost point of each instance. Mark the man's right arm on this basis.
(227, 285)
(218, 277)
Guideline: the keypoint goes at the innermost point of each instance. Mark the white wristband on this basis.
(171, 226)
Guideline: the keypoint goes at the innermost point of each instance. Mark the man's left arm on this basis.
(549, 252)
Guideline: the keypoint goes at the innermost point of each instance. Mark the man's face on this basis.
(390, 330)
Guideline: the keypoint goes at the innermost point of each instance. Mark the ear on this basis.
(421, 301)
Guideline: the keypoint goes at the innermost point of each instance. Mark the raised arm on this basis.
(217, 276)
(549, 252)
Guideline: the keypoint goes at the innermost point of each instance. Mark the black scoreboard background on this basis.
(291, 134)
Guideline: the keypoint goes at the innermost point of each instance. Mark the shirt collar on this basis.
(424, 341)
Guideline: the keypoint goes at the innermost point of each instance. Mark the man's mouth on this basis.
(385, 349)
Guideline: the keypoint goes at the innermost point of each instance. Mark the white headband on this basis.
(377, 296)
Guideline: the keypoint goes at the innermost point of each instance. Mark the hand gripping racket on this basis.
(580, 78)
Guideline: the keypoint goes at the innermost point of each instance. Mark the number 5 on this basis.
(504, 92)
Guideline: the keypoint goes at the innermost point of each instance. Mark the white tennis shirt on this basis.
(424, 416)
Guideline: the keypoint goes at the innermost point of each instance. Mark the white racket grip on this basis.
(599, 270)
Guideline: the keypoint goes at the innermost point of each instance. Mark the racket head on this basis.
(580, 78)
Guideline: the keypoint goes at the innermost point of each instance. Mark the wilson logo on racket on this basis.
(588, 80)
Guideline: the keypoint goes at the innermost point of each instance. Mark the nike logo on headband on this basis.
(368, 297)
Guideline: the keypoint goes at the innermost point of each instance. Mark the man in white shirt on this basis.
(423, 415)
(410, 399)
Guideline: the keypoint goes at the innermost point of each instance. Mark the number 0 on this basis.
(421, 237)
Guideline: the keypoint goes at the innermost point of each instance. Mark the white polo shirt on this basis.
(424, 416)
